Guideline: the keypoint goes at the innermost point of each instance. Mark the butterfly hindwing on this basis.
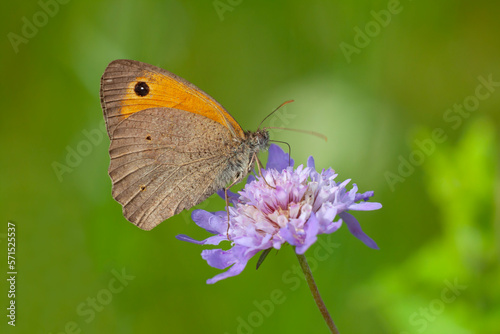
(164, 160)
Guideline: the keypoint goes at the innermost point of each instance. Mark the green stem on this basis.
(315, 293)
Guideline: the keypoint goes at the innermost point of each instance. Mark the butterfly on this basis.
(172, 145)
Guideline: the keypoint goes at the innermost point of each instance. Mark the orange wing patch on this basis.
(129, 86)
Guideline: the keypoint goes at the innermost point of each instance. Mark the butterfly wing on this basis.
(164, 160)
(119, 98)
(169, 141)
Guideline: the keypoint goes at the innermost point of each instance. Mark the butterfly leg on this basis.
(259, 167)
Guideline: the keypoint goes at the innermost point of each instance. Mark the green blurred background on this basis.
(376, 94)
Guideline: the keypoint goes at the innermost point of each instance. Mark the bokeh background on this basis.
(377, 77)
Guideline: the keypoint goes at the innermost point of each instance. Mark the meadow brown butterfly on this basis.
(172, 145)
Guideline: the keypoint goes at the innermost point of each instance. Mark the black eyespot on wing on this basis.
(148, 137)
(141, 88)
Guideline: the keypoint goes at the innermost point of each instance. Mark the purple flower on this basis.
(290, 206)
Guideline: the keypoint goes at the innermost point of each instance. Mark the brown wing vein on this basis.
(133, 184)
(153, 208)
(115, 180)
(167, 177)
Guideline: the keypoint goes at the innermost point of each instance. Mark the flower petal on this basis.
(232, 197)
(250, 179)
(355, 229)
(332, 227)
(365, 196)
(288, 233)
(237, 256)
(219, 258)
(311, 232)
(278, 159)
(212, 222)
(310, 162)
(213, 240)
(365, 206)
(183, 237)
(325, 215)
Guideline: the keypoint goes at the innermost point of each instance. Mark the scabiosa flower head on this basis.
(290, 206)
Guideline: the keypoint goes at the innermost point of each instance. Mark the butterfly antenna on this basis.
(281, 105)
(289, 149)
(316, 134)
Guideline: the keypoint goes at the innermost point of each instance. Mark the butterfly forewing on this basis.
(119, 98)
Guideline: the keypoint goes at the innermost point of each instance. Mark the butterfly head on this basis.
(258, 140)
